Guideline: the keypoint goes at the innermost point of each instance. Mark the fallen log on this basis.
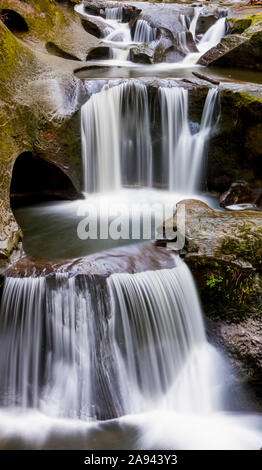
(207, 79)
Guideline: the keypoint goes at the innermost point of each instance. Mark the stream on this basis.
(117, 357)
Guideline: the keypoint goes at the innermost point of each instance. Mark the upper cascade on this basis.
(125, 31)
(117, 145)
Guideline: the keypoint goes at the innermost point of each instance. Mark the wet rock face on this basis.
(39, 97)
(99, 53)
(235, 147)
(205, 22)
(238, 25)
(156, 52)
(243, 342)
(242, 50)
(95, 26)
(241, 193)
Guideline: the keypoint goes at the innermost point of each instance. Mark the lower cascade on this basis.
(76, 348)
(117, 147)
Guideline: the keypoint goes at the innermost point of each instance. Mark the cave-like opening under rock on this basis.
(35, 180)
(13, 21)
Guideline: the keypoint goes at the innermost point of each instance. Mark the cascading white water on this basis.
(100, 141)
(50, 332)
(210, 39)
(83, 349)
(185, 151)
(118, 34)
(117, 144)
(184, 21)
(214, 34)
(114, 13)
(182, 41)
(144, 32)
(193, 24)
(162, 354)
(116, 138)
(120, 38)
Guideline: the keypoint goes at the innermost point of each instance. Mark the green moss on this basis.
(245, 244)
(239, 25)
(227, 291)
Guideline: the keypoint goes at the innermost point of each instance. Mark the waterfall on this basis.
(85, 348)
(162, 354)
(185, 21)
(214, 34)
(182, 41)
(144, 32)
(55, 351)
(114, 13)
(210, 39)
(193, 24)
(185, 151)
(117, 144)
(116, 138)
(120, 38)
(100, 125)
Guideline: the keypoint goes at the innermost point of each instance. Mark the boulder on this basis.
(240, 50)
(161, 50)
(226, 249)
(205, 22)
(50, 21)
(142, 53)
(224, 252)
(238, 25)
(240, 193)
(95, 26)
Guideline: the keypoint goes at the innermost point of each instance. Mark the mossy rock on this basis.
(238, 25)
(50, 21)
(36, 114)
(235, 150)
(224, 251)
(237, 50)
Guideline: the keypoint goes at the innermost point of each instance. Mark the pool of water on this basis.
(50, 229)
(107, 69)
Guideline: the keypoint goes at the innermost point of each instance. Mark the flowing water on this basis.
(144, 32)
(117, 356)
(131, 347)
(117, 141)
(76, 349)
(184, 150)
(210, 39)
(118, 36)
